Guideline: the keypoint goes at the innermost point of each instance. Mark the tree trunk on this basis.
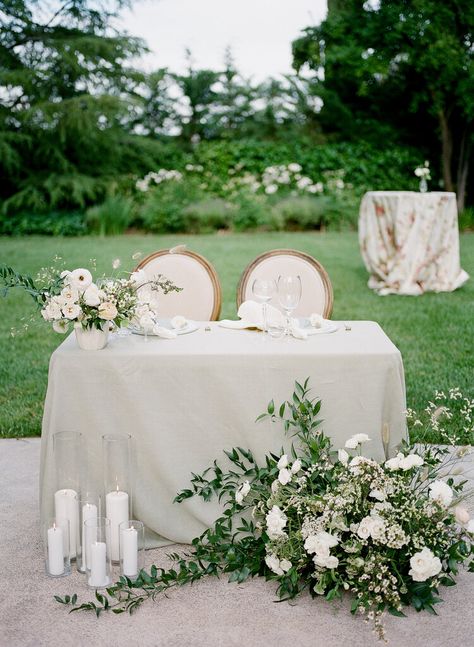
(447, 150)
(463, 168)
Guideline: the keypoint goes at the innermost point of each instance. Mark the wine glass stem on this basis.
(288, 321)
(264, 316)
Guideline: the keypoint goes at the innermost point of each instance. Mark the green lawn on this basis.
(433, 332)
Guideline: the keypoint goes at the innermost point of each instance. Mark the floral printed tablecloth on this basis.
(410, 242)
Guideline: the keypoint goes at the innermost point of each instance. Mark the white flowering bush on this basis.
(388, 533)
(72, 297)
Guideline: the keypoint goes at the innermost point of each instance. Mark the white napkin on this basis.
(251, 316)
(164, 333)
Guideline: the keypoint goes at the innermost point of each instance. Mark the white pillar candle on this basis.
(129, 551)
(55, 551)
(98, 563)
(89, 511)
(116, 506)
(66, 507)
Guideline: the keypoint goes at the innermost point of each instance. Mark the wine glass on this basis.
(289, 295)
(263, 290)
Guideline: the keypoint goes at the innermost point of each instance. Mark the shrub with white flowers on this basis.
(388, 533)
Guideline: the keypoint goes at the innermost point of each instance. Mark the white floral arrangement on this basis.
(72, 297)
(387, 533)
(423, 172)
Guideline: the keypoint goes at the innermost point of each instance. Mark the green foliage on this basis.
(56, 223)
(164, 208)
(208, 215)
(110, 218)
(253, 212)
(305, 212)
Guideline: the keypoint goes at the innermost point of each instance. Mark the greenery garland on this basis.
(324, 521)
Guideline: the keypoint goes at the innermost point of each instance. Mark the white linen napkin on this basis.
(251, 316)
(164, 333)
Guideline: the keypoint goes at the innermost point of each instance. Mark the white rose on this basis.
(273, 564)
(69, 294)
(295, 468)
(71, 311)
(394, 463)
(284, 476)
(320, 543)
(179, 322)
(285, 565)
(462, 515)
(80, 279)
(343, 456)
(91, 295)
(61, 326)
(283, 462)
(316, 320)
(377, 494)
(356, 440)
(412, 460)
(377, 527)
(441, 493)
(107, 311)
(328, 561)
(51, 312)
(276, 521)
(424, 565)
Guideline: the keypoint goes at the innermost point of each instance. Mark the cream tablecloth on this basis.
(185, 400)
(410, 242)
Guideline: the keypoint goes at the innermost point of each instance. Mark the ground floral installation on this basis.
(311, 518)
(72, 297)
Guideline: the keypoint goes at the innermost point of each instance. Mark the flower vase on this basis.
(423, 185)
(92, 338)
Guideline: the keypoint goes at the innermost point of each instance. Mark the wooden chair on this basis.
(317, 294)
(201, 297)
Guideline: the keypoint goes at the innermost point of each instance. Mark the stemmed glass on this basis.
(289, 295)
(263, 290)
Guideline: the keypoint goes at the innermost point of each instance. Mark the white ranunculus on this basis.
(69, 294)
(320, 543)
(441, 493)
(377, 527)
(284, 476)
(91, 295)
(462, 515)
(61, 326)
(80, 279)
(328, 561)
(356, 440)
(179, 322)
(410, 461)
(394, 463)
(316, 320)
(364, 529)
(107, 311)
(424, 565)
(52, 311)
(295, 468)
(65, 276)
(343, 456)
(470, 527)
(276, 521)
(283, 462)
(71, 311)
(377, 494)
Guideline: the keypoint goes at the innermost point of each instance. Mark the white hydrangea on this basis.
(276, 521)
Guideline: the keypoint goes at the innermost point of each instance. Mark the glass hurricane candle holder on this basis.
(56, 547)
(117, 484)
(89, 508)
(68, 461)
(96, 548)
(132, 547)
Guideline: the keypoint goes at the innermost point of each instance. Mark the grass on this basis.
(434, 332)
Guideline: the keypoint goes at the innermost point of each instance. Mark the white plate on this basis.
(326, 328)
(191, 326)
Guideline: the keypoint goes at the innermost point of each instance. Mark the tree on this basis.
(406, 65)
(64, 96)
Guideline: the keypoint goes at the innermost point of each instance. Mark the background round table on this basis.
(410, 242)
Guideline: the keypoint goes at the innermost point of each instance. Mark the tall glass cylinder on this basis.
(117, 457)
(97, 549)
(68, 460)
(132, 548)
(56, 547)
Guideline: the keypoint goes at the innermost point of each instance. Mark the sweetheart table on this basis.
(409, 242)
(185, 400)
